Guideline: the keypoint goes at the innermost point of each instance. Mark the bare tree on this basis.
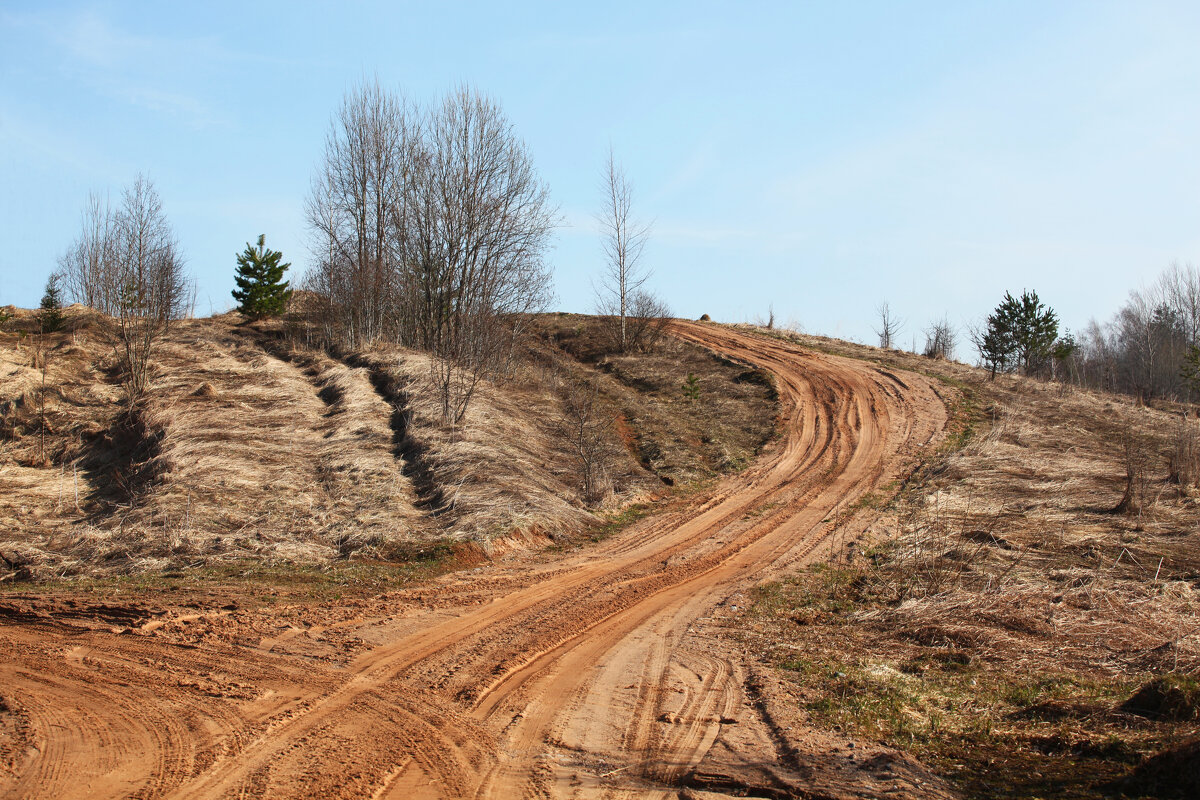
(86, 265)
(1144, 348)
(149, 288)
(889, 326)
(624, 240)
(126, 263)
(584, 425)
(647, 320)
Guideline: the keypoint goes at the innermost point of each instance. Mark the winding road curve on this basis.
(599, 674)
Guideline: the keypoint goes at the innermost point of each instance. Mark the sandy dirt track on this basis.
(604, 673)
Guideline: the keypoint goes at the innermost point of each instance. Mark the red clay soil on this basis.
(601, 673)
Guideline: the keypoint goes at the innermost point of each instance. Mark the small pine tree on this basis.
(262, 291)
(50, 317)
(997, 344)
(691, 387)
(1035, 331)
(1190, 372)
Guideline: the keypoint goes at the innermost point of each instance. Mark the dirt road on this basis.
(600, 674)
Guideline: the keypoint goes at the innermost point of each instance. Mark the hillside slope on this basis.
(1003, 617)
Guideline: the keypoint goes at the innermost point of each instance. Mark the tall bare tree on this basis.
(352, 208)
(490, 218)
(624, 240)
(86, 264)
(889, 326)
(150, 288)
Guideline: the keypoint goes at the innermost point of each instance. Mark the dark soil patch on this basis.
(1173, 773)
(1170, 698)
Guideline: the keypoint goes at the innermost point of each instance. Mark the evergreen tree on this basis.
(51, 316)
(262, 291)
(1021, 333)
(996, 346)
(1035, 330)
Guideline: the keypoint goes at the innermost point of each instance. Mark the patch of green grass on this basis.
(620, 520)
(258, 583)
(871, 499)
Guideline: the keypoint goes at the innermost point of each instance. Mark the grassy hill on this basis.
(251, 449)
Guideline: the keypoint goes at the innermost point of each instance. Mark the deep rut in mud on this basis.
(604, 673)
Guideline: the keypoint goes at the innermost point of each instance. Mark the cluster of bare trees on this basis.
(126, 263)
(1144, 350)
(636, 317)
(941, 337)
(431, 226)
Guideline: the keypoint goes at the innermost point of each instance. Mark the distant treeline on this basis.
(1151, 346)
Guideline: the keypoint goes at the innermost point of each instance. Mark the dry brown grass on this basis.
(496, 476)
(232, 454)
(248, 449)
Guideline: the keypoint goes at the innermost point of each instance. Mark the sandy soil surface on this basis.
(600, 673)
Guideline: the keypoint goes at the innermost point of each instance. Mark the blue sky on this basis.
(820, 157)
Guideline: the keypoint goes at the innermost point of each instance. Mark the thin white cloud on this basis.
(96, 41)
(129, 67)
(197, 113)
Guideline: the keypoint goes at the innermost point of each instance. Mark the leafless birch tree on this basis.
(86, 264)
(150, 288)
(624, 240)
(353, 206)
(488, 216)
